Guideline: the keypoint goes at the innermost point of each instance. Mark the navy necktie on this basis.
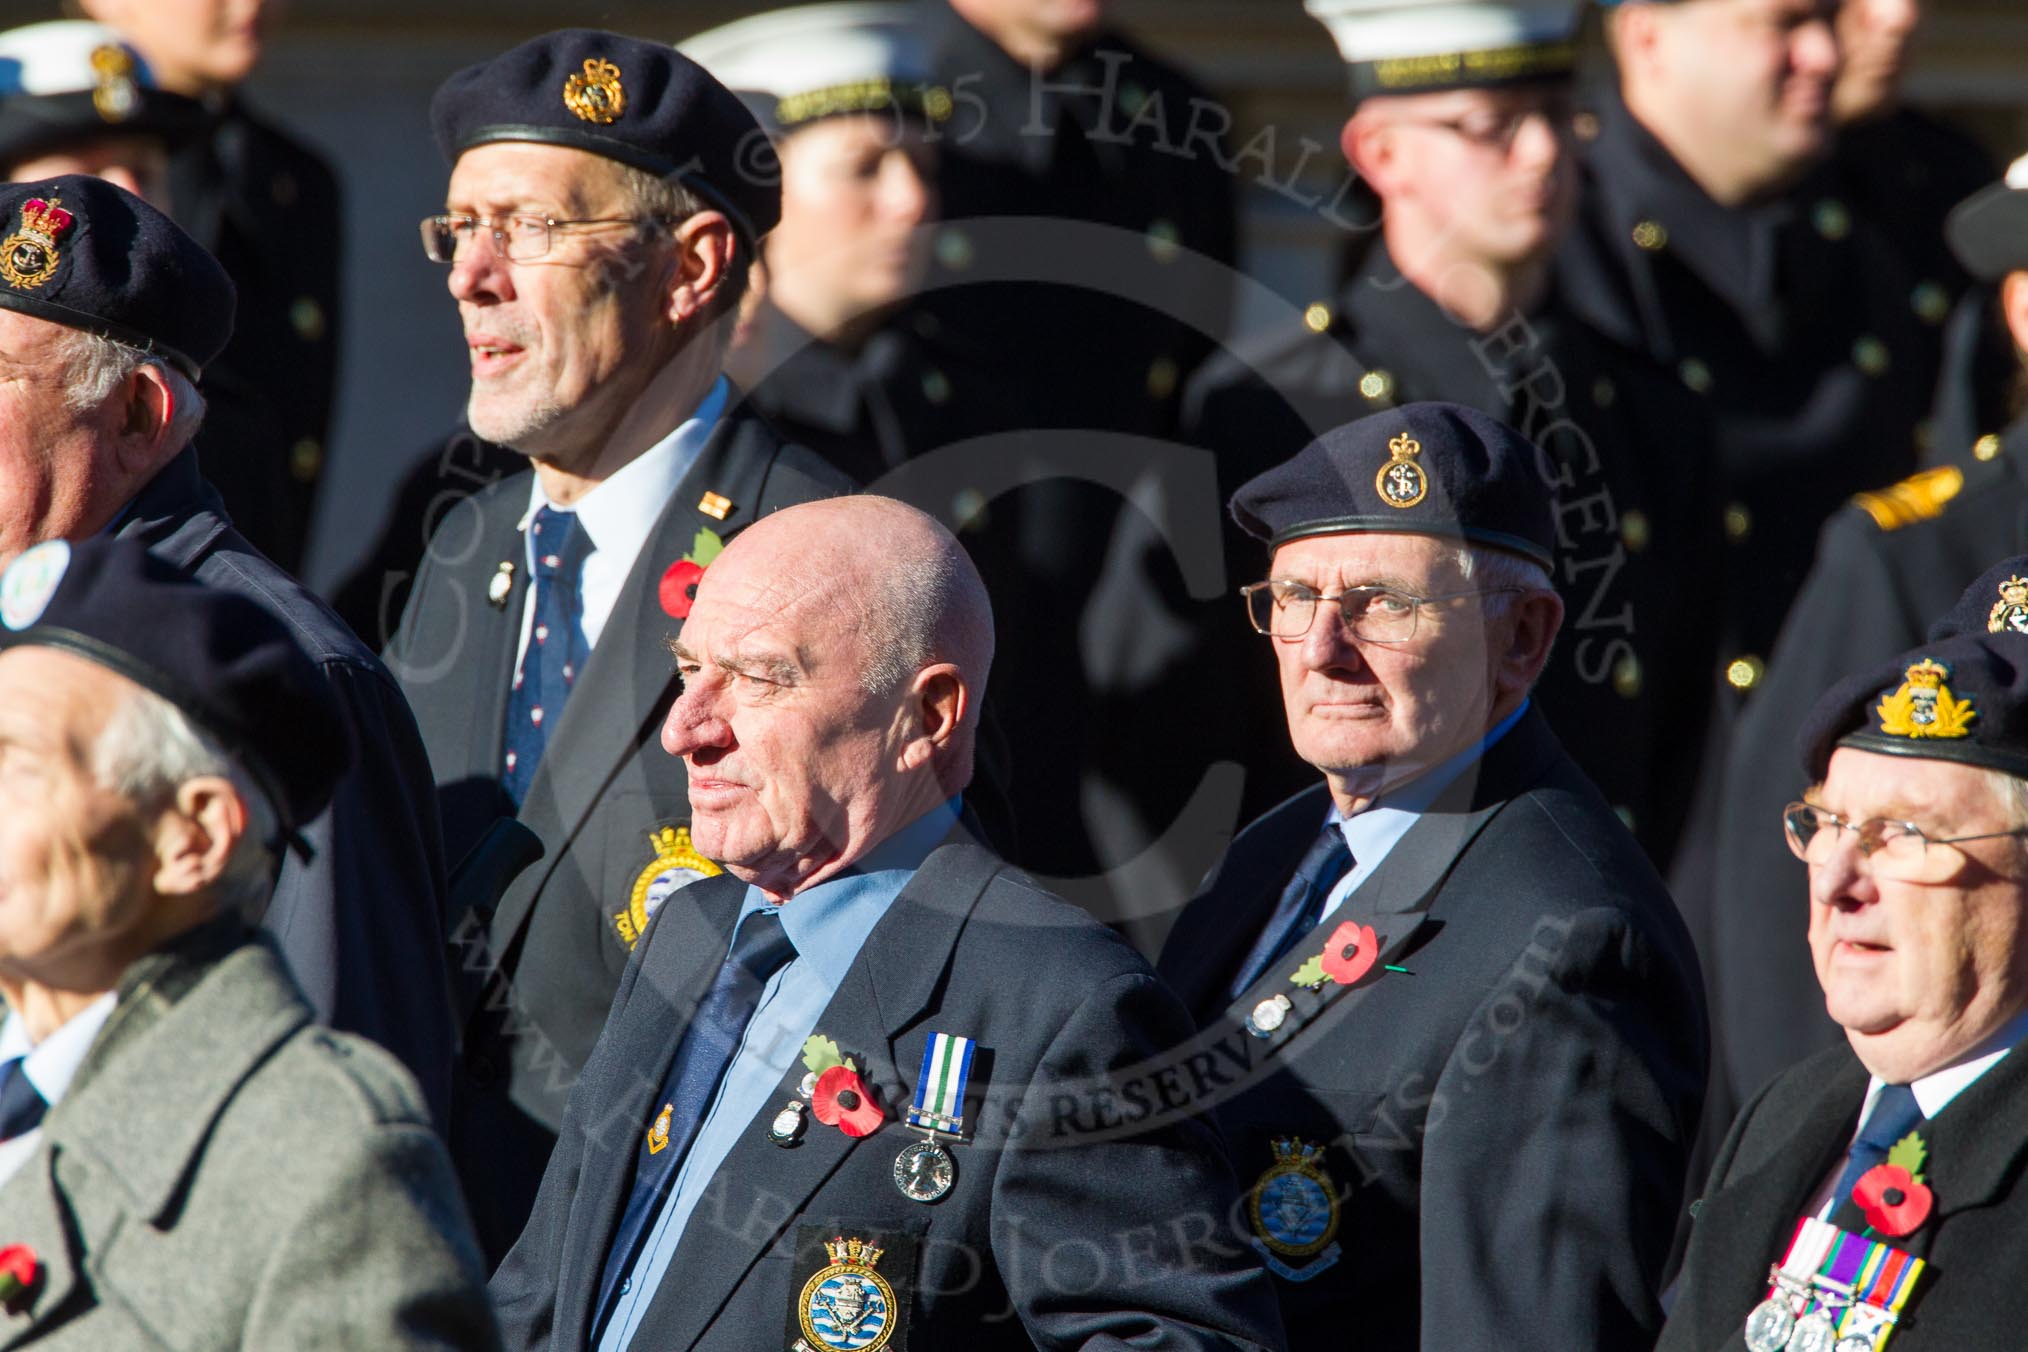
(1301, 905)
(759, 950)
(1895, 1114)
(21, 1104)
(556, 645)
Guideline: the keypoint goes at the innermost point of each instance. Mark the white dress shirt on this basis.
(50, 1065)
(618, 516)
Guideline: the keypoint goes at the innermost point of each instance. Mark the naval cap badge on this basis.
(1402, 482)
(114, 93)
(2010, 612)
(595, 94)
(29, 256)
(1924, 706)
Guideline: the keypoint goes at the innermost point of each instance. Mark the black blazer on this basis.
(1785, 1145)
(537, 974)
(1507, 1123)
(1048, 1238)
(361, 921)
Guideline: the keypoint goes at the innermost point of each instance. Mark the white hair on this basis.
(148, 747)
(2012, 793)
(95, 366)
(1492, 568)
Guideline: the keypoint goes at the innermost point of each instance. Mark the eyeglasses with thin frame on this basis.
(520, 238)
(1901, 851)
(1284, 609)
(1496, 129)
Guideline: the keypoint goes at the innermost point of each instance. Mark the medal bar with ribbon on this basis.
(924, 1171)
(1833, 1292)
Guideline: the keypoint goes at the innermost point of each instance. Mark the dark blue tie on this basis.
(21, 1105)
(556, 645)
(1301, 905)
(759, 950)
(1895, 1114)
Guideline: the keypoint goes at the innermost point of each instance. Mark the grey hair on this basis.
(2012, 793)
(903, 616)
(1498, 568)
(148, 747)
(672, 202)
(95, 366)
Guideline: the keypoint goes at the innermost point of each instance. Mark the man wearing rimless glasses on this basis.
(1875, 1188)
(1453, 1010)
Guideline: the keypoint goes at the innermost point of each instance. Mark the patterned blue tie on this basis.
(1301, 905)
(21, 1104)
(759, 950)
(556, 645)
(1895, 1114)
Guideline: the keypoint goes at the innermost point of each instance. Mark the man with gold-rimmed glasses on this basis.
(1452, 1003)
(1900, 1153)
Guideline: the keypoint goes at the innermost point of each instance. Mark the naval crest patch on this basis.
(1924, 706)
(849, 1303)
(676, 864)
(1294, 1210)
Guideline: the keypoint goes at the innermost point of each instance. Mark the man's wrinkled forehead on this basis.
(781, 609)
(1397, 558)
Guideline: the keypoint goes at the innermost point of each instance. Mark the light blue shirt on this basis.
(620, 514)
(50, 1066)
(828, 924)
(1372, 834)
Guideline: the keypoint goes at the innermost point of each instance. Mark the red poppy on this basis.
(842, 1100)
(1894, 1203)
(1350, 952)
(679, 588)
(18, 1271)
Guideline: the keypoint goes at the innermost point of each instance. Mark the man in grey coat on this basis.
(186, 1160)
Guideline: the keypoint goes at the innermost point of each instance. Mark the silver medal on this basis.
(501, 585)
(1769, 1326)
(787, 1128)
(1815, 1332)
(924, 1171)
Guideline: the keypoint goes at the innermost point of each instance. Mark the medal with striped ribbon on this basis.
(924, 1171)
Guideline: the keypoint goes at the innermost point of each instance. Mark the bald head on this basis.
(913, 592)
(832, 666)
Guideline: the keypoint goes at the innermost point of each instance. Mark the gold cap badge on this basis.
(28, 257)
(1402, 482)
(114, 93)
(596, 94)
(1924, 705)
(2010, 612)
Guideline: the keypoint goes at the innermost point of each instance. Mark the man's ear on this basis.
(2014, 308)
(938, 699)
(196, 834)
(147, 407)
(706, 245)
(1532, 620)
(1633, 32)
(1368, 142)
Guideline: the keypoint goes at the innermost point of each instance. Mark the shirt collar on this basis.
(52, 1063)
(829, 923)
(1934, 1091)
(1391, 814)
(620, 512)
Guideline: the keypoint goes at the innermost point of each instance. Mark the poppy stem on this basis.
(1390, 967)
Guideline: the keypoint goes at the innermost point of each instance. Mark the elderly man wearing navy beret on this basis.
(605, 201)
(109, 317)
(1456, 1028)
(186, 1160)
(1876, 1189)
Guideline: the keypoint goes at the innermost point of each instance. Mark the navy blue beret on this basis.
(1960, 698)
(1996, 603)
(641, 103)
(77, 251)
(229, 665)
(1427, 469)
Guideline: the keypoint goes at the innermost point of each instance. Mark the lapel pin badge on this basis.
(715, 505)
(501, 586)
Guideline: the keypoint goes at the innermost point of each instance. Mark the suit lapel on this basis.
(760, 1188)
(1972, 1150)
(629, 681)
(688, 938)
(491, 631)
(35, 1214)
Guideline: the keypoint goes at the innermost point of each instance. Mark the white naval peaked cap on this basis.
(793, 66)
(1415, 46)
(62, 57)
(1988, 231)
